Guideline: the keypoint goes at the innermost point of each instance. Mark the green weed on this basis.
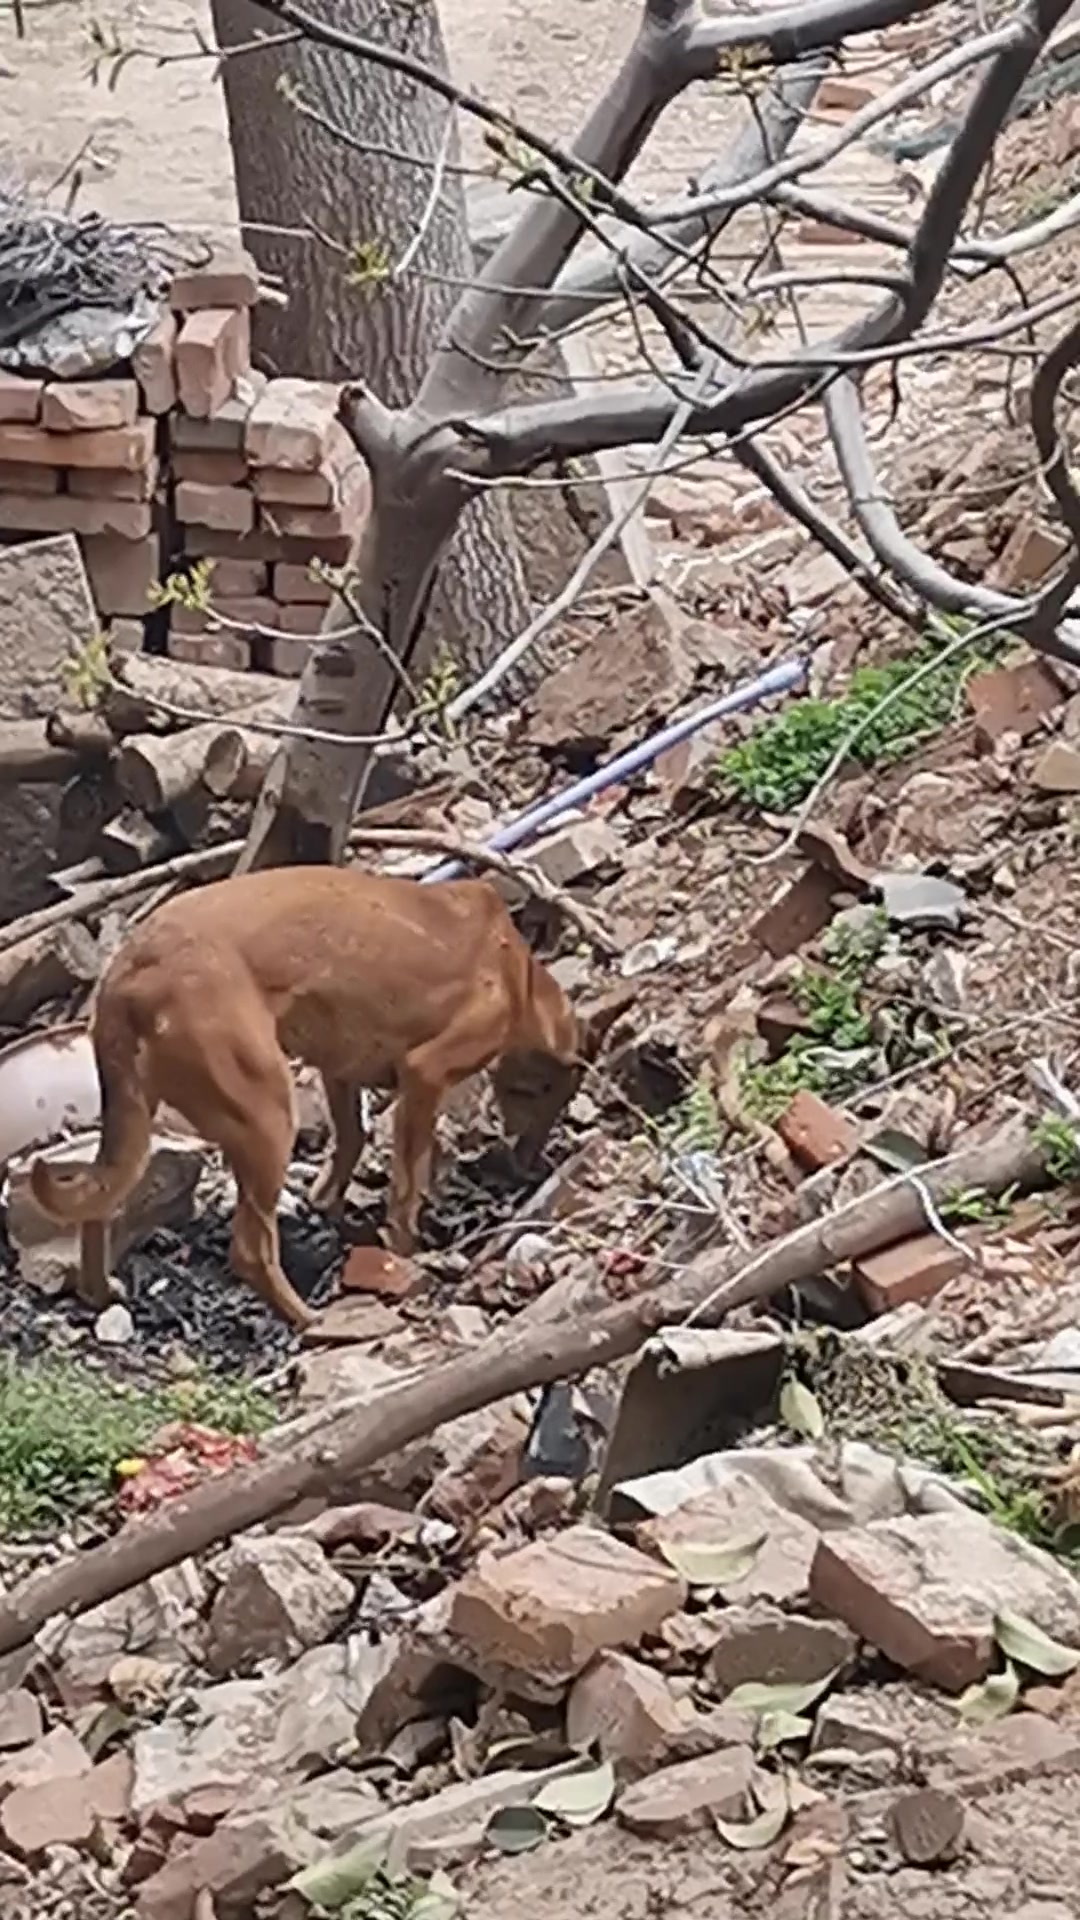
(694, 1124)
(778, 765)
(832, 1008)
(63, 1428)
(1057, 1141)
(768, 1088)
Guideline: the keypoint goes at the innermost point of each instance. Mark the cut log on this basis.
(206, 692)
(45, 967)
(237, 761)
(131, 842)
(155, 771)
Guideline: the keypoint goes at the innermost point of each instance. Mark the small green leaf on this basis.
(1023, 1641)
(331, 1883)
(704, 1565)
(991, 1699)
(801, 1411)
(579, 1798)
(782, 1697)
(778, 1726)
(750, 1835)
(440, 1901)
(516, 1829)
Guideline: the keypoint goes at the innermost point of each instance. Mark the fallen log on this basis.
(153, 695)
(502, 1365)
(157, 770)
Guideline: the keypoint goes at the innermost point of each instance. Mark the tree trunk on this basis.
(294, 172)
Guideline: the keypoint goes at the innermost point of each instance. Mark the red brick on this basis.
(16, 476)
(1029, 554)
(227, 509)
(814, 1133)
(802, 911)
(915, 1270)
(1012, 699)
(281, 653)
(89, 484)
(212, 352)
(302, 618)
(114, 447)
(210, 469)
(290, 423)
(20, 398)
(64, 513)
(279, 487)
(86, 406)
(218, 649)
(293, 583)
(228, 279)
(262, 545)
(153, 362)
(837, 95)
(225, 432)
(243, 578)
(324, 523)
(122, 573)
(255, 610)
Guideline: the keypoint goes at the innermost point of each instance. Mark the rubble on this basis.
(740, 1510)
(693, 1793)
(278, 1597)
(762, 1644)
(626, 1710)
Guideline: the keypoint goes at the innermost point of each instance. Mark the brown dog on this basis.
(377, 982)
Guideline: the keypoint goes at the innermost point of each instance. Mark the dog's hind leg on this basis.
(343, 1101)
(258, 1154)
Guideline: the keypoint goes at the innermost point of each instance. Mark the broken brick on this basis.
(225, 432)
(57, 1756)
(374, 1270)
(739, 1508)
(1012, 699)
(20, 398)
(122, 573)
(1029, 554)
(491, 1468)
(110, 448)
(915, 1269)
(1058, 769)
(85, 406)
(542, 1612)
(780, 1019)
(692, 1793)
(290, 424)
(228, 509)
(51, 1814)
(926, 1589)
(815, 1134)
(153, 366)
(212, 351)
(278, 1596)
(626, 1710)
(228, 279)
(66, 513)
(1025, 1746)
(803, 910)
(763, 1644)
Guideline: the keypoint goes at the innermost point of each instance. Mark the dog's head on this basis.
(534, 1085)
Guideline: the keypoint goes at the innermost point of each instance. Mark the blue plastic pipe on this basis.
(781, 679)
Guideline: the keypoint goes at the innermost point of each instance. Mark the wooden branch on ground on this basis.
(503, 1364)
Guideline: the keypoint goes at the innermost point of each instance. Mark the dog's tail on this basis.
(79, 1194)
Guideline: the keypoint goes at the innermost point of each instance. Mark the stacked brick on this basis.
(190, 454)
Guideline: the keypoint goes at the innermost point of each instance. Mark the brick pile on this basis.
(190, 454)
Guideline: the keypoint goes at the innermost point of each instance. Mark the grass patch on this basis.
(63, 1428)
(778, 765)
(838, 1055)
(1057, 1141)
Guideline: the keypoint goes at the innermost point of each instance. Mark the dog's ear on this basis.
(598, 1017)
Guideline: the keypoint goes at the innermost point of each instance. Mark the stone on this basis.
(615, 681)
(122, 573)
(543, 1611)
(20, 397)
(490, 1468)
(780, 1019)
(234, 1865)
(290, 424)
(153, 366)
(739, 1509)
(690, 1794)
(374, 1270)
(58, 1755)
(112, 448)
(857, 1725)
(225, 432)
(815, 1134)
(85, 406)
(213, 350)
(46, 614)
(1023, 1746)
(922, 900)
(575, 850)
(115, 1327)
(925, 1590)
(20, 1719)
(230, 651)
(294, 583)
(53, 1813)
(760, 1643)
(278, 1596)
(626, 1710)
(436, 1823)
(803, 910)
(916, 1270)
(229, 278)
(928, 1826)
(161, 1617)
(1057, 770)
(228, 509)
(239, 1732)
(109, 1787)
(16, 476)
(1012, 699)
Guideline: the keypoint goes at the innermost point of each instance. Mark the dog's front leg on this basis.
(414, 1138)
(342, 1099)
